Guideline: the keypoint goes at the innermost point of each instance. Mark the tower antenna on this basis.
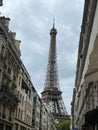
(53, 22)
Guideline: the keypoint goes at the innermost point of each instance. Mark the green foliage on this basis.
(64, 125)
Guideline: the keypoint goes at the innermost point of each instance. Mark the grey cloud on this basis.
(32, 21)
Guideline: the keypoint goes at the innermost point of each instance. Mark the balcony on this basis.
(8, 94)
(7, 74)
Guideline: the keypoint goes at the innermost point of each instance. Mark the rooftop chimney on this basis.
(5, 21)
(1, 2)
(13, 35)
(17, 44)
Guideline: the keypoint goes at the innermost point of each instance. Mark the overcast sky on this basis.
(32, 21)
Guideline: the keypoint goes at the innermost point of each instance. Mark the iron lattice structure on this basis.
(51, 94)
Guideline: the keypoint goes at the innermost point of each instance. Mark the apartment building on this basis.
(23, 113)
(48, 121)
(36, 114)
(41, 115)
(15, 85)
(21, 107)
(8, 76)
(85, 94)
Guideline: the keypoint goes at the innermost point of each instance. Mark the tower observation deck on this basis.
(51, 94)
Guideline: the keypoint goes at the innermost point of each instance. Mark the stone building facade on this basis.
(85, 94)
(20, 106)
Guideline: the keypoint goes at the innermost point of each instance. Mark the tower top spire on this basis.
(53, 30)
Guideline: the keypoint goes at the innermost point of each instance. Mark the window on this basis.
(8, 127)
(22, 128)
(10, 116)
(3, 113)
(22, 100)
(1, 126)
(19, 81)
(16, 126)
(3, 50)
(0, 77)
(18, 93)
(19, 114)
(16, 113)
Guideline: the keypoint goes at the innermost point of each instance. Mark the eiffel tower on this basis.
(51, 94)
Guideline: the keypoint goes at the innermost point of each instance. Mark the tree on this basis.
(64, 125)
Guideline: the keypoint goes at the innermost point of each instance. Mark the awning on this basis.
(92, 116)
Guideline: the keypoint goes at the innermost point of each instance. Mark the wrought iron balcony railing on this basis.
(6, 92)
